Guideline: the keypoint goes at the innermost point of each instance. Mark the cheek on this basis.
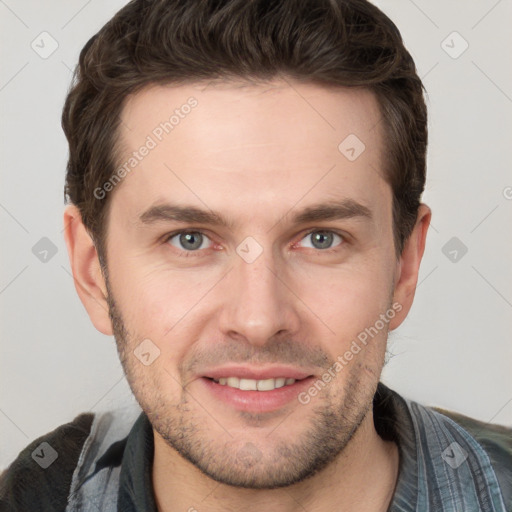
(157, 303)
(349, 305)
(154, 310)
(347, 296)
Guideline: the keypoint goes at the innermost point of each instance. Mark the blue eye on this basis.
(323, 239)
(188, 240)
(190, 243)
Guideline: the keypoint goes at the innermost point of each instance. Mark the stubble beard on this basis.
(246, 463)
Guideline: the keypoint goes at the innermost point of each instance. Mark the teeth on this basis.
(248, 385)
(254, 385)
(265, 385)
(233, 382)
(280, 382)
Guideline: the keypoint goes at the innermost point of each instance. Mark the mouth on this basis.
(255, 391)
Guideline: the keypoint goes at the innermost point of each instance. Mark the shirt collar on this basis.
(135, 481)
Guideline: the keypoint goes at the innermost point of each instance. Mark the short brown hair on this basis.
(347, 43)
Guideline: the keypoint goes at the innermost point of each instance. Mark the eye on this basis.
(323, 239)
(190, 241)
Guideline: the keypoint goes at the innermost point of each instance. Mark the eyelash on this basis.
(187, 254)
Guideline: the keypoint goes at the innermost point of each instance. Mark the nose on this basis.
(259, 301)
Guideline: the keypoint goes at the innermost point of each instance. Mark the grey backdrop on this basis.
(454, 350)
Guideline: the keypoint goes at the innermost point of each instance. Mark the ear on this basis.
(85, 265)
(408, 266)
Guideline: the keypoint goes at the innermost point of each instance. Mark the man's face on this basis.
(268, 296)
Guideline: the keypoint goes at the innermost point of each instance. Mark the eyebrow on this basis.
(331, 210)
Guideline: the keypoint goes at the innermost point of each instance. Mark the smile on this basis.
(253, 384)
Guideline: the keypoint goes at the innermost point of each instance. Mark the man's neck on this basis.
(362, 478)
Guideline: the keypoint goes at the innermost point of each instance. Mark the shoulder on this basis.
(497, 438)
(496, 441)
(40, 476)
(447, 458)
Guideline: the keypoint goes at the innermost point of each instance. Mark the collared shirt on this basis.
(448, 463)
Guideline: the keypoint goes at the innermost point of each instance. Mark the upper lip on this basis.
(262, 373)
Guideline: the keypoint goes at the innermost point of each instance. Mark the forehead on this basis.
(240, 146)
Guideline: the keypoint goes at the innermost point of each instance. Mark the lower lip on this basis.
(257, 401)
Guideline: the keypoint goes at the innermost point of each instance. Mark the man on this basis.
(245, 182)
